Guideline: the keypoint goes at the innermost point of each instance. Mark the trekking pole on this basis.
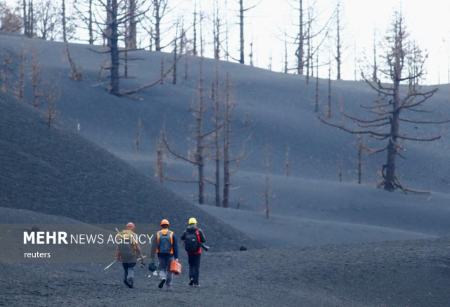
(109, 265)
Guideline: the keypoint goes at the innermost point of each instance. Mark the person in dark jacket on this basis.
(194, 240)
(128, 252)
(164, 244)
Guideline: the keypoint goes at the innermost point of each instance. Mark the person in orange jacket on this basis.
(164, 245)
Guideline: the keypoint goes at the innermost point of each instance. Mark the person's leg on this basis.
(125, 271)
(191, 269)
(169, 274)
(196, 268)
(162, 268)
(131, 270)
(130, 278)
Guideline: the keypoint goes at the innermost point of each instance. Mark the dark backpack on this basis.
(165, 243)
(126, 248)
(191, 241)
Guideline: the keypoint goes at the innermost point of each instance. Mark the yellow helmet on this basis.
(192, 221)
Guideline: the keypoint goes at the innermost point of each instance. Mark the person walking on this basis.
(164, 245)
(128, 252)
(194, 240)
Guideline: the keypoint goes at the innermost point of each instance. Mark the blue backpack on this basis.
(164, 242)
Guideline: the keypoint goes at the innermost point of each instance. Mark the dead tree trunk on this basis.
(21, 78)
(338, 42)
(35, 80)
(241, 32)
(217, 128)
(90, 24)
(114, 48)
(64, 21)
(138, 138)
(329, 93)
(287, 162)
(300, 52)
(286, 64)
(361, 149)
(316, 95)
(228, 106)
(131, 39)
(175, 57)
(200, 136)
(242, 10)
(216, 33)
(194, 29)
(267, 183)
(159, 167)
(251, 54)
(159, 11)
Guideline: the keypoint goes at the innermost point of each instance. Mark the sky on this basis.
(266, 24)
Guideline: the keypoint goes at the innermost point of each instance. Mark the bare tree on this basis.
(117, 17)
(362, 148)
(242, 11)
(75, 70)
(316, 94)
(159, 12)
(85, 12)
(329, 108)
(159, 167)
(286, 63)
(47, 19)
(175, 56)
(138, 137)
(50, 96)
(194, 30)
(10, 20)
(300, 52)
(113, 37)
(36, 80)
(287, 162)
(338, 41)
(198, 111)
(395, 104)
(268, 194)
(64, 20)
(6, 72)
(251, 54)
(308, 30)
(28, 18)
(375, 65)
(228, 108)
(216, 32)
(20, 87)
(229, 159)
(131, 35)
(217, 121)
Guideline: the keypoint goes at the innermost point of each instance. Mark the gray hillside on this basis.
(56, 172)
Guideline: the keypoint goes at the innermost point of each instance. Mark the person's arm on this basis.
(153, 248)
(183, 236)
(118, 258)
(202, 236)
(138, 251)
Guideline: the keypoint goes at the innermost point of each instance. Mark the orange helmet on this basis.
(164, 222)
(131, 226)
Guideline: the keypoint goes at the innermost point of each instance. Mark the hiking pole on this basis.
(109, 265)
(115, 260)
